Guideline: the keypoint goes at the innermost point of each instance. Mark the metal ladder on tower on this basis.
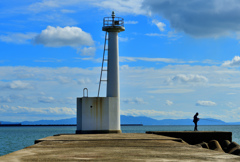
(103, 60)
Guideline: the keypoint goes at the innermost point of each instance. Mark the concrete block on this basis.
(231, 147)
(203, 145)
(236, 151)
(224, 144)
(214, 145)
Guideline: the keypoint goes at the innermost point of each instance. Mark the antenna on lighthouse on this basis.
(113, 14)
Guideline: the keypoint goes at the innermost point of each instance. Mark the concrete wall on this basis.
(196, 137)
(98, 115)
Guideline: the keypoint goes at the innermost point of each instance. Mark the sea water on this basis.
(14, 138)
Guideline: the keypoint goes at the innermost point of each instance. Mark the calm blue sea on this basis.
(16, 138)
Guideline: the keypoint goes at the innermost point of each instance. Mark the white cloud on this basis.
(121, 39)
(198, 18)
(68, 100)
(10, 98)
(46, 111)
(134, 59)
(206, 103)
(124, 67)
(122, 6)
(67, 11)
(134, 80)
(44, 5)
(5, 99)
(84, 81)
(48, 60)
(171, 90)
(130, 22)
(160, 25)
(155, 35)
(67, 36)
(88, 51)
(18, 38)
(233, 114)
(172, 35)
(97, 60)
(231, 105)
(16, 96)
(46, 99)
(234, 62)
(231, 93)
(53, 4)
(185, 79)
(136, 100)
(169, 103)
(64, 80)
(17, 84)
(61, 75)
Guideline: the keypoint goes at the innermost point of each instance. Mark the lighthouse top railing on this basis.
(113, 21)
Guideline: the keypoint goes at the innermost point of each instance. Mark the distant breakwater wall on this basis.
(213, 140)
(196, 137)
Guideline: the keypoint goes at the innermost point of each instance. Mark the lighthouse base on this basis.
(98, 131)
(98, 115)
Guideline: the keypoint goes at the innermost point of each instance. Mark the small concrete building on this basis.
(102, 114)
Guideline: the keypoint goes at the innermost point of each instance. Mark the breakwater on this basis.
(115, 147)
(213, 140)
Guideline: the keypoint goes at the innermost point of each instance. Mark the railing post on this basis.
(85, 89)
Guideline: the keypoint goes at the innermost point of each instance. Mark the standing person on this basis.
(195, 120)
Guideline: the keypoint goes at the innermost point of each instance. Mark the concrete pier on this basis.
(115, 147)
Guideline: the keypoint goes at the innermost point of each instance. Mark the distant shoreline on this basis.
(10, 125)
(131, 124)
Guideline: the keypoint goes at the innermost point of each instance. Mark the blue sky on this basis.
(176, 57)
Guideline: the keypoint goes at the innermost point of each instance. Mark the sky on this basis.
(176, 57)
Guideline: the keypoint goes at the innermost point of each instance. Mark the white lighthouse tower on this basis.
(102, 114)
(113, 26)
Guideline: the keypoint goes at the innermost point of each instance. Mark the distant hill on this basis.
(62, 121)
(149, 121)
(210, 121)
(6, 122)
(138, 120)
(234, 123)
(134, 120)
